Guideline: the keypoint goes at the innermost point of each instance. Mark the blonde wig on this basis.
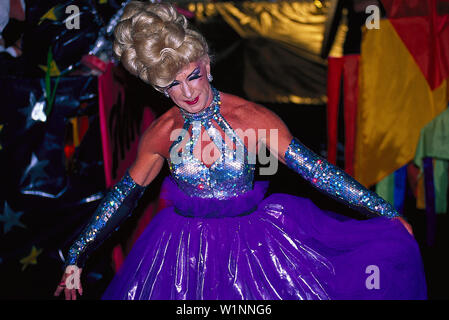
(154, 42)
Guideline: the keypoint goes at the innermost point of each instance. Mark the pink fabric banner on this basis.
(120, 132)
(120, 135)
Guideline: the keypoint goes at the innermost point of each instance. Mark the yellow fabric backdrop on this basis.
(395, 103)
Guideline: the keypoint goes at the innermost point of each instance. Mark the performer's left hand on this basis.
(405, 223)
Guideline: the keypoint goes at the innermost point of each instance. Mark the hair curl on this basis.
(154, 42)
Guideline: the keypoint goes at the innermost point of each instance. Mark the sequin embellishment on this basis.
(103, 214)
(229, 176)
(335, 182)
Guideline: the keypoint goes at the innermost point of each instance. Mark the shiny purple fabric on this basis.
(283, 248)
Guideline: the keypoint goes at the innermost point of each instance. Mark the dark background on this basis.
(53, 223)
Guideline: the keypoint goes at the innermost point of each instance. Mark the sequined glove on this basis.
(115, 207)
(335, 182)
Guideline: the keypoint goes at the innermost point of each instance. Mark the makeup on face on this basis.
(193, 76)
(191, 89)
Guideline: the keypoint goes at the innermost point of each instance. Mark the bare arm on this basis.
(147, 166)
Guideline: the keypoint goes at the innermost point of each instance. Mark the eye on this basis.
(194, 76)
(174, 83)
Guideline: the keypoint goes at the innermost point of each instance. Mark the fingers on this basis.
(58, 291)
(60, 287)
(407, 226)
(68, 296)
(410, 229)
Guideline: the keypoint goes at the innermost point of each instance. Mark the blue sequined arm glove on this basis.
(335, 182)
(115, 207)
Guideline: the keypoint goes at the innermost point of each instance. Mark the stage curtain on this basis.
(283, 45)
(396, 100)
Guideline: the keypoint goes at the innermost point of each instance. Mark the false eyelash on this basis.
(172, 85)
(196, 76)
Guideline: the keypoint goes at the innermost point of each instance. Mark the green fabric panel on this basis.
(385, 188)
(434, 143)
(440, 174)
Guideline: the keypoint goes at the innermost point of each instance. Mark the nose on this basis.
(186, 90)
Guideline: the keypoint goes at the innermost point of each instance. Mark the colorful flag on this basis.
(403, 86)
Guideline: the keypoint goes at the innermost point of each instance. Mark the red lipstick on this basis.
(192, 102)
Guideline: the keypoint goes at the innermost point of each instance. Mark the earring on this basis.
(209, 77)
(166, 94)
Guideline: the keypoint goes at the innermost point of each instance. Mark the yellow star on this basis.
(54, 70)
(50, 15)
(31, 258)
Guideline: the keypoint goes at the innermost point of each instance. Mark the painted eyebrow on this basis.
(194, 72)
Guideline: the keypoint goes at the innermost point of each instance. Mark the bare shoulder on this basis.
(156, 137)
(249, 114)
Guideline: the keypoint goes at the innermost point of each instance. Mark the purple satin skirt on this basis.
(280, 247)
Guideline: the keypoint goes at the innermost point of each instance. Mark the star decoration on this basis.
(31, 258)
(38, 113)
(54, 14)
(10, 218)
(32, 112)
(35, 169)
(54, 70)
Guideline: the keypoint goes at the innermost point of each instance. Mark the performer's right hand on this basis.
(70, 283)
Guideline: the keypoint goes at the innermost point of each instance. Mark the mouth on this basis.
(192, 102)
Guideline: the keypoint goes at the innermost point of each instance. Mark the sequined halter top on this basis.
(229, 176)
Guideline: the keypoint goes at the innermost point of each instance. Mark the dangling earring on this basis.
(209, 77)
(166, 94)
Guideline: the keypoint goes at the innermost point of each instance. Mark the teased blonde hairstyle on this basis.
(154, 42)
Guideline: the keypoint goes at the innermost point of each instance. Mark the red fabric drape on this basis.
(344, 69)
(428, 41)
(351, 96)
(334, 74)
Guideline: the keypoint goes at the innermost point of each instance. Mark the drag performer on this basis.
(221, 237)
